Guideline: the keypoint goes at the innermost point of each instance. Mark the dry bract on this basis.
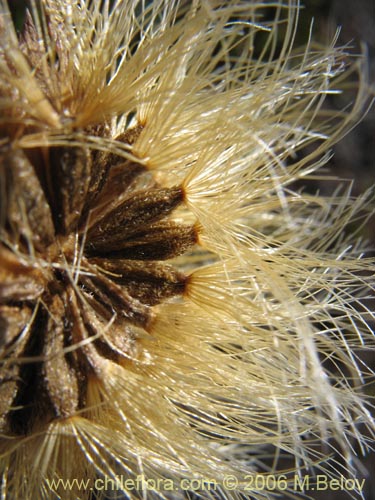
(171, 304)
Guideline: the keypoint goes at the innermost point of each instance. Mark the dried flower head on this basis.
(172, 305)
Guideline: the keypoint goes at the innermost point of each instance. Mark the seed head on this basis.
(172, 304)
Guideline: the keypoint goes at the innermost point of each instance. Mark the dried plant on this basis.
(172, 304)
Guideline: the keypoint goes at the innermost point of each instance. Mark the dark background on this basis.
(355, 155)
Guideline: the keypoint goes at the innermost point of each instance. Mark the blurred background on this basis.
(354, 156)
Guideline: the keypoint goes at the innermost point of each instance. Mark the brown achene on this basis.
(96, 271)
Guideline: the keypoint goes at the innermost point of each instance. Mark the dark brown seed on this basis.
(157, 242)
(83, 328)
(61, 381)
(28, 213)
(110, 170)
(14, 334)
(132, 216)
(100, 167)
(116, 300)
(148, 282)
(120, 182)
(18, 281)
(70, 173)
(131, 134)
(114, 342)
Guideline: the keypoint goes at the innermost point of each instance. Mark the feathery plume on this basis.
(172, 305)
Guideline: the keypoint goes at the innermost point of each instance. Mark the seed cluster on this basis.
(172, 304)
(82, 234)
